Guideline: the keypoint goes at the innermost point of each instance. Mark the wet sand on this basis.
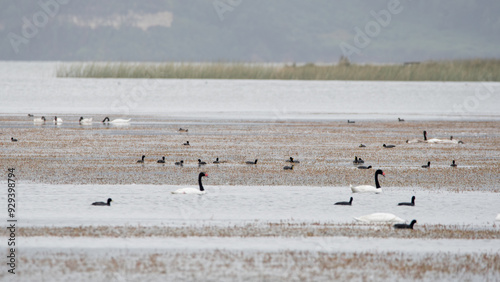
(108, 154)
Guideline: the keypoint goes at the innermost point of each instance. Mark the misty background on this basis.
(246, 30)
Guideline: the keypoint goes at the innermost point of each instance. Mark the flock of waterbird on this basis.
(383, 217)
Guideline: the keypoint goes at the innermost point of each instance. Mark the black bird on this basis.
(288, 167)
(291, 160)
(201, 163)
(453, 164)
(181, 163)
(186, 144)
(13, 139)
(141, 161)
(30, 115)
(427, 165)
(404, 225)
(103, 203)
(364, 167)
(362, 145)
(356, 161)
(344, 203)
(360, 161)
(251, 163)
(162, 161)
(408, 204)
(389, 146)
(216, 161)
(350, 121)
(106, 119)
(400, 119)
(183, 130)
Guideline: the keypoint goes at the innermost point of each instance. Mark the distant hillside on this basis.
(243, 30)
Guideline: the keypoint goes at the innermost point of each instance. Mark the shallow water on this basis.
(69, 205)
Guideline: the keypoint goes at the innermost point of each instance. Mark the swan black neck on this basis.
(412, 223)
(413, 200)
(105, 119)
(199, 181)
(425, 135)
(377, 184)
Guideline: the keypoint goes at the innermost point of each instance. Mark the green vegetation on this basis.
(466, 70)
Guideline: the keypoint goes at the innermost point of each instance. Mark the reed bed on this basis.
(459, 70)
(280, 229)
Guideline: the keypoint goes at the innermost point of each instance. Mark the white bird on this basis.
(369, 188)
(39, 120)
(118, 120)
(190, 190)
(380, 218)
(58, 120)
(498, 217)
(85, 120)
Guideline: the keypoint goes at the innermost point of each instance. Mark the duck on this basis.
(216, 161)
(453, 164)
(356, 161)
(412, 203)
(251, 163)
(58, 120)
(201, 163)
(344, 203)
(183, 129)
(361, 161)
(369, 188)
(180, 163)
(351, 121)
(400, 119)
(161, 161)
(380, 218)
(428, 165)
(362, 145)
(291, 160)
(85, 120)
(288, 167)
(141, 161)
(13, 139)
(39, 120)
(404, 225)
(108, 203)
(118, 120)
(186, 144)
(389, 146)
(30, 115)
(364, 167)
(190, 190)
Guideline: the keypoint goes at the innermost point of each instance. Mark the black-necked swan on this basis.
(190, 190)
(251, 163)
(58, 120)
(85, 120)
(161, 161)
(141, 160)
(201, 163)
(181, 163)
(412, 203)
(453, 164)
(103, 203)
(216, 161)
(389, 146)
(186, 144)
(428, 165)
(288, 167)
(117, 120)
(344, 203)
(379, 217)
(418, 140)
(369, 188)
(39, 120)
(364, 167)
(404, 225)
(13, 139)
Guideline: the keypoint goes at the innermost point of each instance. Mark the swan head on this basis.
(43, 118)
(203, 174)
(379, 171)
(80, 119)
(109, 200)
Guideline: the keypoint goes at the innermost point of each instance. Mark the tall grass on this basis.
(460, 70)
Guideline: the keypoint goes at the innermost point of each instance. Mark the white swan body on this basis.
(58, 120)
(189, 190)
(380, 218)
(365, 189)
(368, 188)
(498, 217)
(118, 120)
(85, 120)
(39, 120)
